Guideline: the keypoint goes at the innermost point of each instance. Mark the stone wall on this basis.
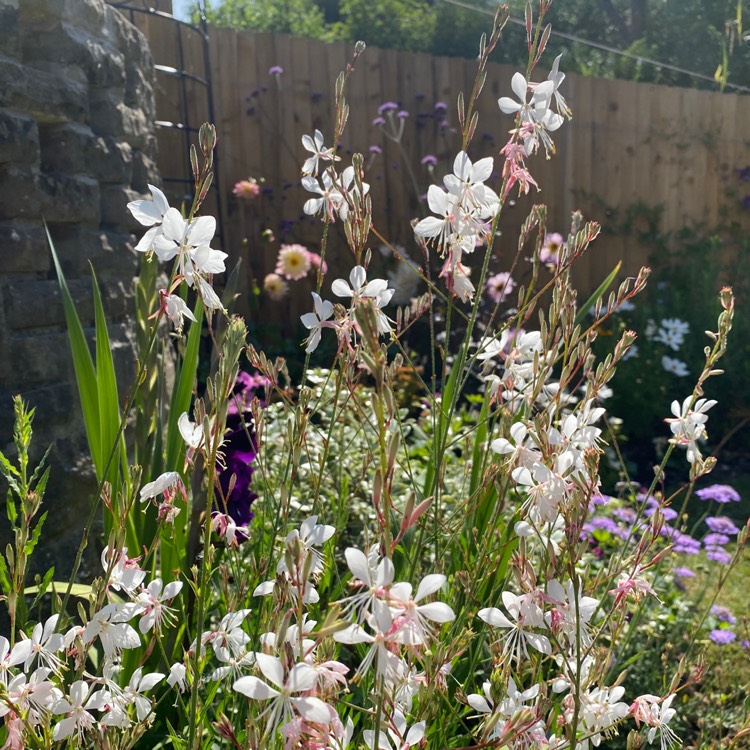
(76, 144)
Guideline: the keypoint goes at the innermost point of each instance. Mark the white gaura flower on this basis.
(412, 620)
(372, 582)
(154, 600)
(393, 733)
(77, 706)
(11, 658)
(467, 184)
(319, 153)
(285, 704)
(657, 714)
(358, 285)
(525, 614)
(330, 200)
(557, 78)
(571, 613)
(229, 639)
(532, 110)
(139, 684)
(689, 424)
(178, 677)
(166, 482)
(110, 625)
(44, 643)
(191, 432)
(316, 321)
(149, 214)
(175, 308)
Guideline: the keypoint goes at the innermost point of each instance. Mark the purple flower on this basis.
(721, 493)
(722, 636)
(275, 70)
(745, 643)
(378, 121)
(723, 613)
(715, 540)
(719, 555)
(721, 525)
(375, 149)
(402, 114)
(744, 173)
(683, 572)
(429, 160)
(387, 107)
(441, 107)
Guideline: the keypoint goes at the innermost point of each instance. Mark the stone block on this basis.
(37, 359)
(145, 172)
(114, 206)
(120, 255)
(21, 191)
(10, 43)
(77, 247)
(48, 97)
(23, 247)
(37, 303)
(44, 14)
(109, 115)
(65, 45)
(139, 90)
(19, 138)
(73, 148)
(71, 199)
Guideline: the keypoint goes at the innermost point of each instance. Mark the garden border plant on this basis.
(232, 610)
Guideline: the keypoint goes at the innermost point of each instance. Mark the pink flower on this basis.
(275, 287)
(293, 262)
(246, 189)
(500, 286)
(551, 249)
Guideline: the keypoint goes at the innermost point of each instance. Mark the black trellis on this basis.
(188, 128)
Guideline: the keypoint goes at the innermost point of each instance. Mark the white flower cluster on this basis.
(358, 289)
(170, 236)
(32, 671)
(335, 192)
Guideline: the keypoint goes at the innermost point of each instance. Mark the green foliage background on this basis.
(697, 35)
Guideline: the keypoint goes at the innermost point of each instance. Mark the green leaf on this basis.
(183, 390)
(107, 397)
(84, 367)
(591, 301)
(29, 548)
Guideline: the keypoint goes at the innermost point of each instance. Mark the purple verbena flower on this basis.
(683, 572)
(275, 70)
(721, 525)
(375, 149)
(441, 107)
(429, 160)
(719, 555)
(402, 114)
(715, 540)
(723, 613)
(720, 493)
(722, 636)
(387, 107)
(379, 121)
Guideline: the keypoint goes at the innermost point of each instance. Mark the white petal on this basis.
(539, 642)
(254, 688)
(271, 667)
(302, 677)
(201, 231)
(341, 289)
(358, 276)
(519, 86)
(357, 562)
(160, 200)
(312, 709)
(494, 617)
(437, 612)
(508, 105)
(478, 703)
(429, 585)
(173, 227)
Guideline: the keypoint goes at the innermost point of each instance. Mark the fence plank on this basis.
(628, 142)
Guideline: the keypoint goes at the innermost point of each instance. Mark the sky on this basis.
(180, 8)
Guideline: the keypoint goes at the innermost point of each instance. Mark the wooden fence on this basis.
(628, 143)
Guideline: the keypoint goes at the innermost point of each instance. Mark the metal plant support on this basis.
(132, 8)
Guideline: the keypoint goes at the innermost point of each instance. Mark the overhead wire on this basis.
(607, 48)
